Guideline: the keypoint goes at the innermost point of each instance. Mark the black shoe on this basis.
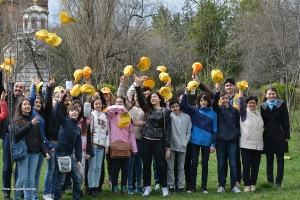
(99, 189)
(278, 185)
(91, 192)
(96, 192)
(180, 190)
(81, 194)
(6, 197)
(172, 190)
(204, 190)
(86, 191)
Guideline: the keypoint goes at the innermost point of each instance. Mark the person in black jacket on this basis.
(156, 137)
(276, 134)
(69, 142)
(24, 128)
(228, 133)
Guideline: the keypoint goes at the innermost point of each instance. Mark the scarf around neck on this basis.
(272, 104)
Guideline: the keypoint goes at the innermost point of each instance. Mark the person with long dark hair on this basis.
(156, 136)
(276, 134)
(24, 128)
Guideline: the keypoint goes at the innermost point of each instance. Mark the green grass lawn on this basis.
(290, 186)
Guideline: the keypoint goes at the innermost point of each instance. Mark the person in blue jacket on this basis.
(204, 136)
(69, 141)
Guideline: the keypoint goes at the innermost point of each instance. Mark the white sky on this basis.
(53, 6)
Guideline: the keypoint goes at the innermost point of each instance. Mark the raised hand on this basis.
(3, 96)
(51, 82)
(35, 120)
(36, 80)
(137, 80)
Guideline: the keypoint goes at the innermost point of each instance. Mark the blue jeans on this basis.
(226, 148)
(7, 167)
(50, 177)
(26, 171)
(37, 176)
(95, 164)
(75, 174)
(138, 166)
(195, 150)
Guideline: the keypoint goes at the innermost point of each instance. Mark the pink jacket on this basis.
(120, 134)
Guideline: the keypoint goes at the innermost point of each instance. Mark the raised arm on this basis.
(57, 110)
(242, 106)
(3, 106)
(112, 110)
(185, 107)
(216, 98)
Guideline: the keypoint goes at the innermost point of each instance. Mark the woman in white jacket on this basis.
(100, 143)
(251, 141)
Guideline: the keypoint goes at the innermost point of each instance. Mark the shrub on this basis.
(111, 87)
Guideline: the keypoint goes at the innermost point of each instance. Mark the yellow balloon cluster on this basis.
(84, 89)
(7, 65)
(50, 38)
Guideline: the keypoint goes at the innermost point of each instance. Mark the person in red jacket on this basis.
(3, 106)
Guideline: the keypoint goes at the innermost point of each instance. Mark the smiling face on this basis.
(175, 108)
(224, 100)
(154, 99)
(37, 104)
(98, 105)
(251, 105)
(19, 89)
(271, 95)
(203, 103)
(230, 88)
(25, 107)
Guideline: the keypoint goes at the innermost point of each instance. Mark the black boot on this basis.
(96, 192)
(91, 191)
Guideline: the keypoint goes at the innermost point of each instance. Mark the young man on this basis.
(180, 135)
(228, 133)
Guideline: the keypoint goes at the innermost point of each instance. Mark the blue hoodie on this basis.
(204, 123)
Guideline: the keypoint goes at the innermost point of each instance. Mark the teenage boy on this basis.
(180, 136)
(228, 133)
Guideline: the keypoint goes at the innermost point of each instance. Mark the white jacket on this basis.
(252, 131)
(101, 128)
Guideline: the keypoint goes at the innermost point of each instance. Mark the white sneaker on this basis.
(157, 186)
(236, 190)
(252, 188)
(165, 191)
(247, 189)
(47, 197)
(221, 189)
(147, 191)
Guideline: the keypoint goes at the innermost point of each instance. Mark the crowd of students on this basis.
(170, 133)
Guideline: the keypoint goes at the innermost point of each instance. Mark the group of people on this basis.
(166, 133)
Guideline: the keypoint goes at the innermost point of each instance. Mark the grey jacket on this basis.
(180, 132)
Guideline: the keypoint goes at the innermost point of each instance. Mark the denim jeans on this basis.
(37, 176)
(251, 162)
(95, 164)
(7, 166)
(180, 169)
(226, 148)
(61, 179)
(26, 171)
(50, 177)
(119, 163)
(156, 148)
(195, 150)
(137, 159)
(270, 167)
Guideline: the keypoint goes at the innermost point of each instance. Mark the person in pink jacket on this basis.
(118, 134)
(3, 106)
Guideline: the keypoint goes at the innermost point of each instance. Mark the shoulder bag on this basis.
(19, 150)
(120, 149)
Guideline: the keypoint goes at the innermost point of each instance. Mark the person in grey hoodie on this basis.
(180, 136)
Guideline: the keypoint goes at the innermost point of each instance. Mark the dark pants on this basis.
(7, 165)
(110, 165)
(251, 162)
(195, 150)
(119, 163)
(226, 148)
(156, 148)
(188, 165)
(270, 168)
(238, 163)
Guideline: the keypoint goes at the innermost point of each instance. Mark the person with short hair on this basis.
(251, 141)
(69, 143)
(228, 134)
(180, 136)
